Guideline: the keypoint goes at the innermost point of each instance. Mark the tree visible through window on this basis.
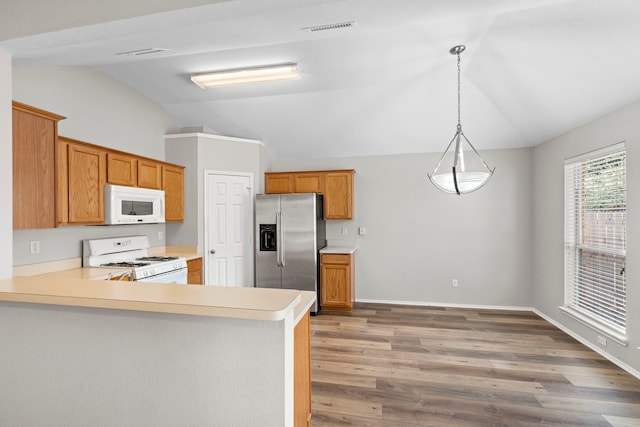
(595, 237)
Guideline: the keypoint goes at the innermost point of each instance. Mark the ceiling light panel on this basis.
(242, 76)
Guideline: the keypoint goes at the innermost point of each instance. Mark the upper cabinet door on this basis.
(278, 183)
(87, 176)
(34, 139)
(309, 182)
(338, 198)
(149, 174)
(173, 186)
(122, 169)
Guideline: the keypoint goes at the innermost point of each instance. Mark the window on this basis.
(596, 239)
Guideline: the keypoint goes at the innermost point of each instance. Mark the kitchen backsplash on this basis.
(66, 242)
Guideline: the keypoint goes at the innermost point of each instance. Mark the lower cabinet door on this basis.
(194, 271)
(336, 282)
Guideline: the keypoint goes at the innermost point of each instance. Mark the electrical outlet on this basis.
(160, 235)
(362, 231)
(454, 283)
(602, 340)
(345, 230)
(34, 247)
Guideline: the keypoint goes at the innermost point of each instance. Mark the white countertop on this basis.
(188, 252)
(215, 301)
(84, 287)
(338, 249)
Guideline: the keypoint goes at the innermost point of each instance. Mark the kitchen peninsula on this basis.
(92, 352)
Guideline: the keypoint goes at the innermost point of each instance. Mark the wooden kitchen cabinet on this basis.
(194, 271)
(337, 284)
(173, 186)
(35, 132)
(122, 169)
(135, 171)
(308, 182)
(82, 174)
(335, 185)
(84, 169)
(149, 174)
(60, 181)
(302, 373)
(278, 183)
(338, 197)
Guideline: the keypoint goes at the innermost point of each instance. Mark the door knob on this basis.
(212, 251)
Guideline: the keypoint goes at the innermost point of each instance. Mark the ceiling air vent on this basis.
(142, 51)
(328, 27)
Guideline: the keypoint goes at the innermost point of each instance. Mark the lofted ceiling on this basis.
(532, 70)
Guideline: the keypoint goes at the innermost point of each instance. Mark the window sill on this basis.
(601, 328)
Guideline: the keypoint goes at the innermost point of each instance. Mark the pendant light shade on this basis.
(466, 174)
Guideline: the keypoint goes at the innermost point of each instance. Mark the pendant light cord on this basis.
(459, 123)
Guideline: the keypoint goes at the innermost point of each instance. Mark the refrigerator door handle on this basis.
(278, 240)
(283, 252)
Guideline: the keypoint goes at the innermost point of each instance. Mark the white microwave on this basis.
(132, 205)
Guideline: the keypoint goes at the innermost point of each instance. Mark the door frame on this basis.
(207, 222)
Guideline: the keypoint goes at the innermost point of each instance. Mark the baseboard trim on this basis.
(589, 344)
(439, 304)
(558, 325)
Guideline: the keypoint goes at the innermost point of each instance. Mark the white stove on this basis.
(132, 254)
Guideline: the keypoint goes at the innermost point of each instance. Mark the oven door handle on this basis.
(175, 276)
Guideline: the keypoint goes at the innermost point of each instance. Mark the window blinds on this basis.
(595, 236)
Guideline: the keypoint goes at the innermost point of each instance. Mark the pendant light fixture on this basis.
(462, 177)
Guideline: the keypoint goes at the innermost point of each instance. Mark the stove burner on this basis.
(125, 264)
(157, 258)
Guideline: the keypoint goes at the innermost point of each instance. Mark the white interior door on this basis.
(228, 225)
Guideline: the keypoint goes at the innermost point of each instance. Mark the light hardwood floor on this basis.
(388, 365)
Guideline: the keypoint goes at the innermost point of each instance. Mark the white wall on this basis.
(6, 167)
(100, 111)
(201, 152)
(184, 151)
(75, 366)
(548, 232)
(419, 239)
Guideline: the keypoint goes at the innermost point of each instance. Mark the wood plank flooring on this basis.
(390, 366)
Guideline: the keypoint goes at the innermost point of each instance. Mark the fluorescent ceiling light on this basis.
(246, 75)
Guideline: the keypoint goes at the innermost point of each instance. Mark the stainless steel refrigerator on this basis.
(290, 231)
